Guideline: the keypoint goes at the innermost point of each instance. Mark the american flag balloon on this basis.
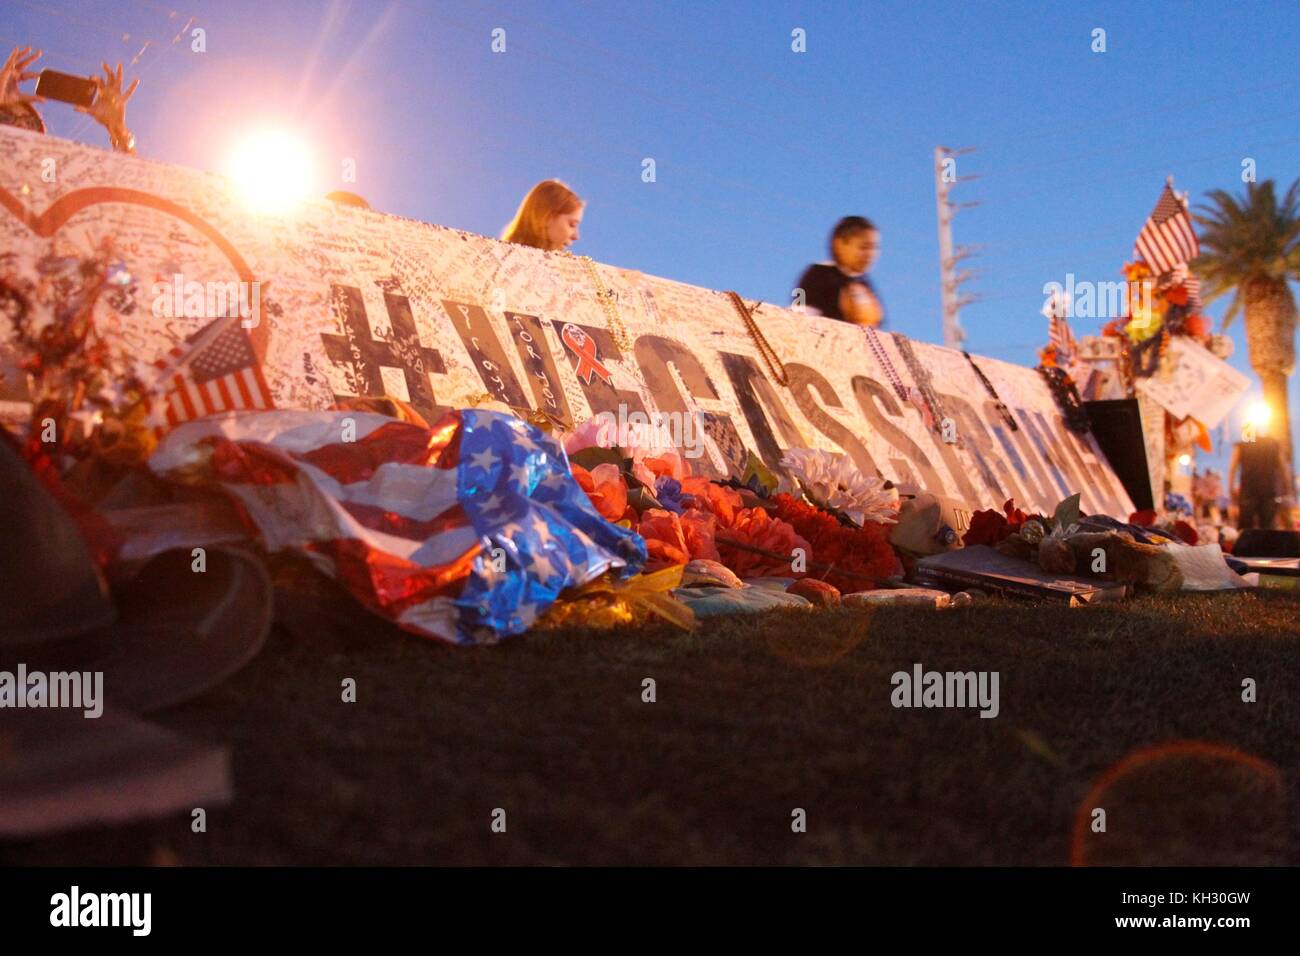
(465, 531)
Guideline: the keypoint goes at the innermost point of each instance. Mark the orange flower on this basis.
(665, 542)
(668, 465)
(605, 487)
(698, 528)
(758, 529)
(721, 501)
(1136, 271)
(676, 539)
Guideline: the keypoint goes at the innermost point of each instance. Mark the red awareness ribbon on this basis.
(584, 347)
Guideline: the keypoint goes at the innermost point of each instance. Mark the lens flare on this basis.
(273, 170)
(1259, 414)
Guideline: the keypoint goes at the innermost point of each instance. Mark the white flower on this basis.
(834, 481)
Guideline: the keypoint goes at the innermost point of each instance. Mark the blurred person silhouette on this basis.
(108, 109)
(841, 289)
(548, 218)
(1258, 476)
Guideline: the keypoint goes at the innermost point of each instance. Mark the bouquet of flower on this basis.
(835, 525)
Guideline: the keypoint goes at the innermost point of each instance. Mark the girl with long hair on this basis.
(548, 218)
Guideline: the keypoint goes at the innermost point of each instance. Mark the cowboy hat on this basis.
(174, 630)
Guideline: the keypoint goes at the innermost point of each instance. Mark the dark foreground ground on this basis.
(754, 717)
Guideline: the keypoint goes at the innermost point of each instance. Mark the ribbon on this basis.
(584, 347)
(609, 603)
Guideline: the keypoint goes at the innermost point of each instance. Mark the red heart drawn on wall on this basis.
(66, 206)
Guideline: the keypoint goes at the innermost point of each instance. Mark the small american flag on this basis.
(1167, 239)
(214, 370)
(1059, 335)
(1061, 338)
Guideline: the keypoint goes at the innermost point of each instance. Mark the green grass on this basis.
(755, 716)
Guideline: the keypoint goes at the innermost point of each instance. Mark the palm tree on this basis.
(1250, 245)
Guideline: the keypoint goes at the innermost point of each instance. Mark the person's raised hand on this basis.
(109, 108)
(15, 72)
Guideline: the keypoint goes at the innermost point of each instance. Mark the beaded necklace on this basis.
(922, 378)
(882, 358)
(1067, 399)
(988, 387)
(774, 364)
(606, 299)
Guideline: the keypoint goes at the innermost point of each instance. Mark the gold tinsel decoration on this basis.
(606, 603)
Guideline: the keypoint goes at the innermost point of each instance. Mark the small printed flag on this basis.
(214, 370)
(1167, 239)
(1061, 338)
(1059, 335)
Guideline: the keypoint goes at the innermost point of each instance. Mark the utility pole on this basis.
(945, 175)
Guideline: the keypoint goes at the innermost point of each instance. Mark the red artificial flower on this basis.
(989, 527)
(755, 528)
(605, 487)
(1015, 517)
(1177, 295)
(675, 539)
(860, 557)
(1135, 271)
(665, 543)
(668, 465)
(721, 501)
(1146, 518)
(986, 527)
(698, 529)
(1186, 532)
(1197, 326)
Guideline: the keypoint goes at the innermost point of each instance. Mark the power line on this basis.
(163, 50)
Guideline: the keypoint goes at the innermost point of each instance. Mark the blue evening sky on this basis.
(758, 149)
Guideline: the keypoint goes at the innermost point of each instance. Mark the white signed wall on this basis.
(354, 302)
